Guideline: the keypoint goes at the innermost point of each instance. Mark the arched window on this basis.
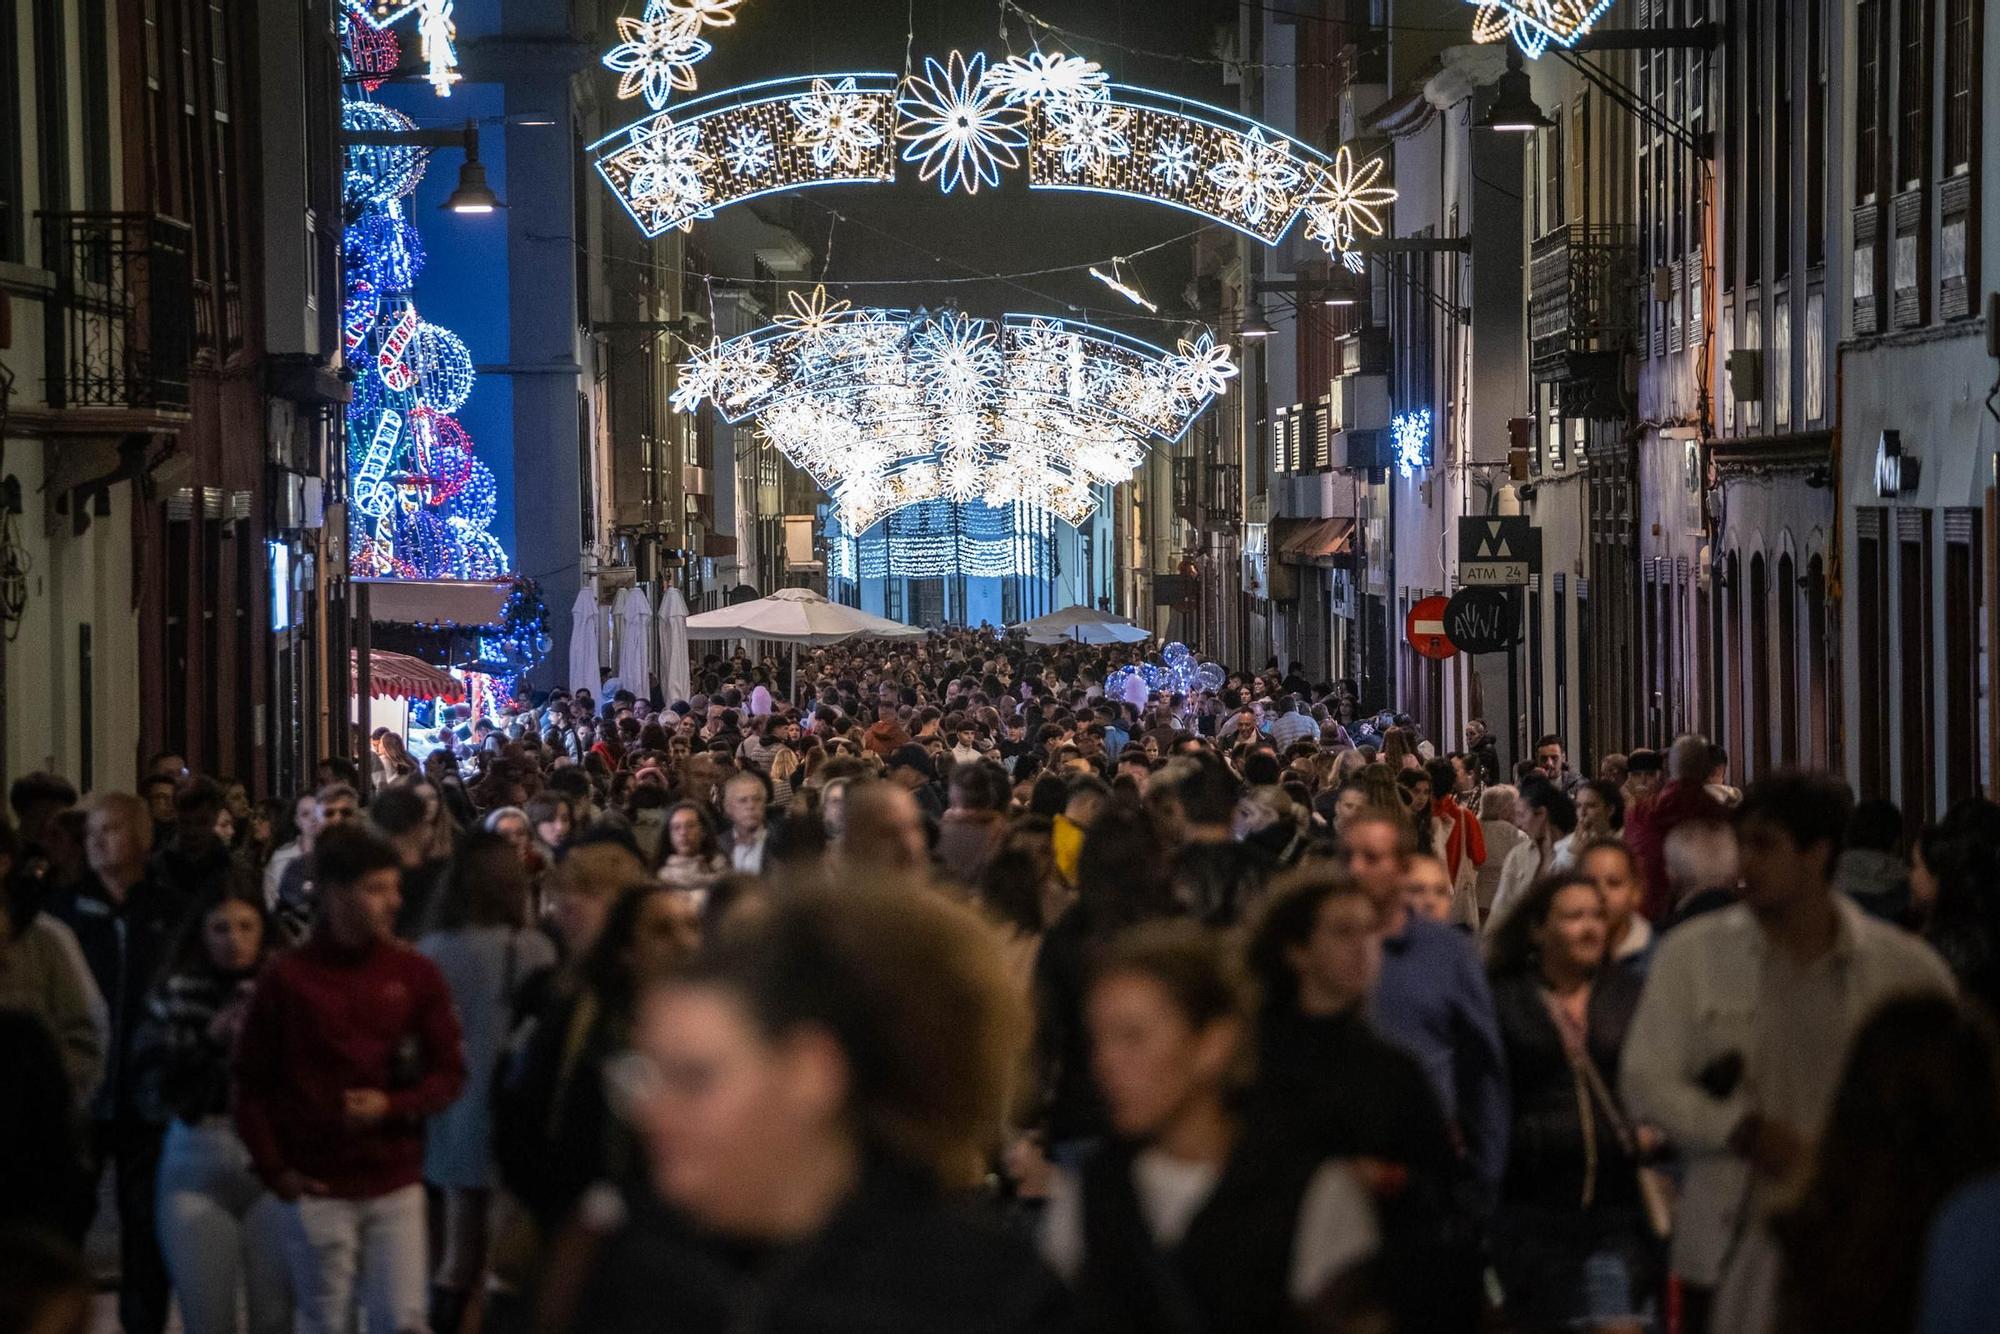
(1787, 593)
(1757, 762)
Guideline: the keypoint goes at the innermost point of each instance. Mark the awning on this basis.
(1311, 541)
(405, 677)
(437, 602)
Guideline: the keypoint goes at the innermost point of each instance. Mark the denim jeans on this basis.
(222, 1233)
(360, 1254)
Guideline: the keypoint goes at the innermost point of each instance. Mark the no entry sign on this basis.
(1425, 629)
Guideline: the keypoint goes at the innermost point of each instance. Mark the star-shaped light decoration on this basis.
(1173, 162)
(812, 317)
(1534, 24)
(1255, 175)
(1042, 76)
(657, 54)
(748, 151)
(1346, 201)
(834, 121)
(957, 126)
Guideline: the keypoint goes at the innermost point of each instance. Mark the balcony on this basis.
(1583, 315)
(120, 318)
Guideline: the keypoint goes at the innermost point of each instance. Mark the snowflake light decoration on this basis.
(1173, 162)
(1256, 177)
(1411, 432)
(748, 151)
(1534, 24)
(958, 127)
(1345, 200)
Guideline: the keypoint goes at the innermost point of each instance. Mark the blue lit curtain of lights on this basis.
(940, 538)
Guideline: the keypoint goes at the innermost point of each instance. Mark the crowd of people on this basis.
(937, 990)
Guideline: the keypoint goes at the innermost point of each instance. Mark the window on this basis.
(1961, 87)
(1816, 136)
(13, 147)
(1758, 762)
(1781, 144)
(1751, 182)
(1871, 626)
(1867, 97)
(1788, 660)
(1963, 595)
(52, 104)
(1912, 92)
(1553, 169)
(1914, 634)
(94, 68)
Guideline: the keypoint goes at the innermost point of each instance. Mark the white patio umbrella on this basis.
(1082, 625)
(586, 671)
(795, 616)
(675, 677)
(634, 610)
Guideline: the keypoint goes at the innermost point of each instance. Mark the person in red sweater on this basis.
(1684, 799)
(350, 1042)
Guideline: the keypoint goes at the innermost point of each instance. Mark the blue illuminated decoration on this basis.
(1534, 24)
(1411, 432)
(938, 538)
(420, 503)
(964, 122)
(437, 36)
(888, 409)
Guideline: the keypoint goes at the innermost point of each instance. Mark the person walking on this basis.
(1191, 1218)
(221, 1230)
(810, 1127)
(478, 936)
(1433, 1002)
(1740, 1035)
(350, 1044)
(125, 913)
(1573, 1244)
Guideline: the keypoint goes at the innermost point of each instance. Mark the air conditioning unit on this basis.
(1359, 403)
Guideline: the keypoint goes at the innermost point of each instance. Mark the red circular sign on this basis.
(1425, 629)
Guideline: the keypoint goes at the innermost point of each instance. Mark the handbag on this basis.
(1655, 1193)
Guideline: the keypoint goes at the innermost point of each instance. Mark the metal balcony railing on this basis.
(1582, 296)
(120, 320)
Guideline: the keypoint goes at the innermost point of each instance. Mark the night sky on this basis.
(891, 231)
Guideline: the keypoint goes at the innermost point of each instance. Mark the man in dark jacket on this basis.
(194, 860)
(125, 913)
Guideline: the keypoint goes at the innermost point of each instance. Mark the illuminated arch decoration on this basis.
(1533, 24)
(892, 408)
(963, 123)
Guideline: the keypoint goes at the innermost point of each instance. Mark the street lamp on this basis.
(472, 194)
(1513, 109)
(1254, 323)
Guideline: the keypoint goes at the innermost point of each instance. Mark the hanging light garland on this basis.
(892, 408)
(964, 122)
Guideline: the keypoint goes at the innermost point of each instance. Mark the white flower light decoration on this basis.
(834, 122)
(657, 54)
(1087, 133)
(1041, 76)
(1345, 201)
(1256, 176)
(1203, 369)
(959, 128)
(666, 170)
